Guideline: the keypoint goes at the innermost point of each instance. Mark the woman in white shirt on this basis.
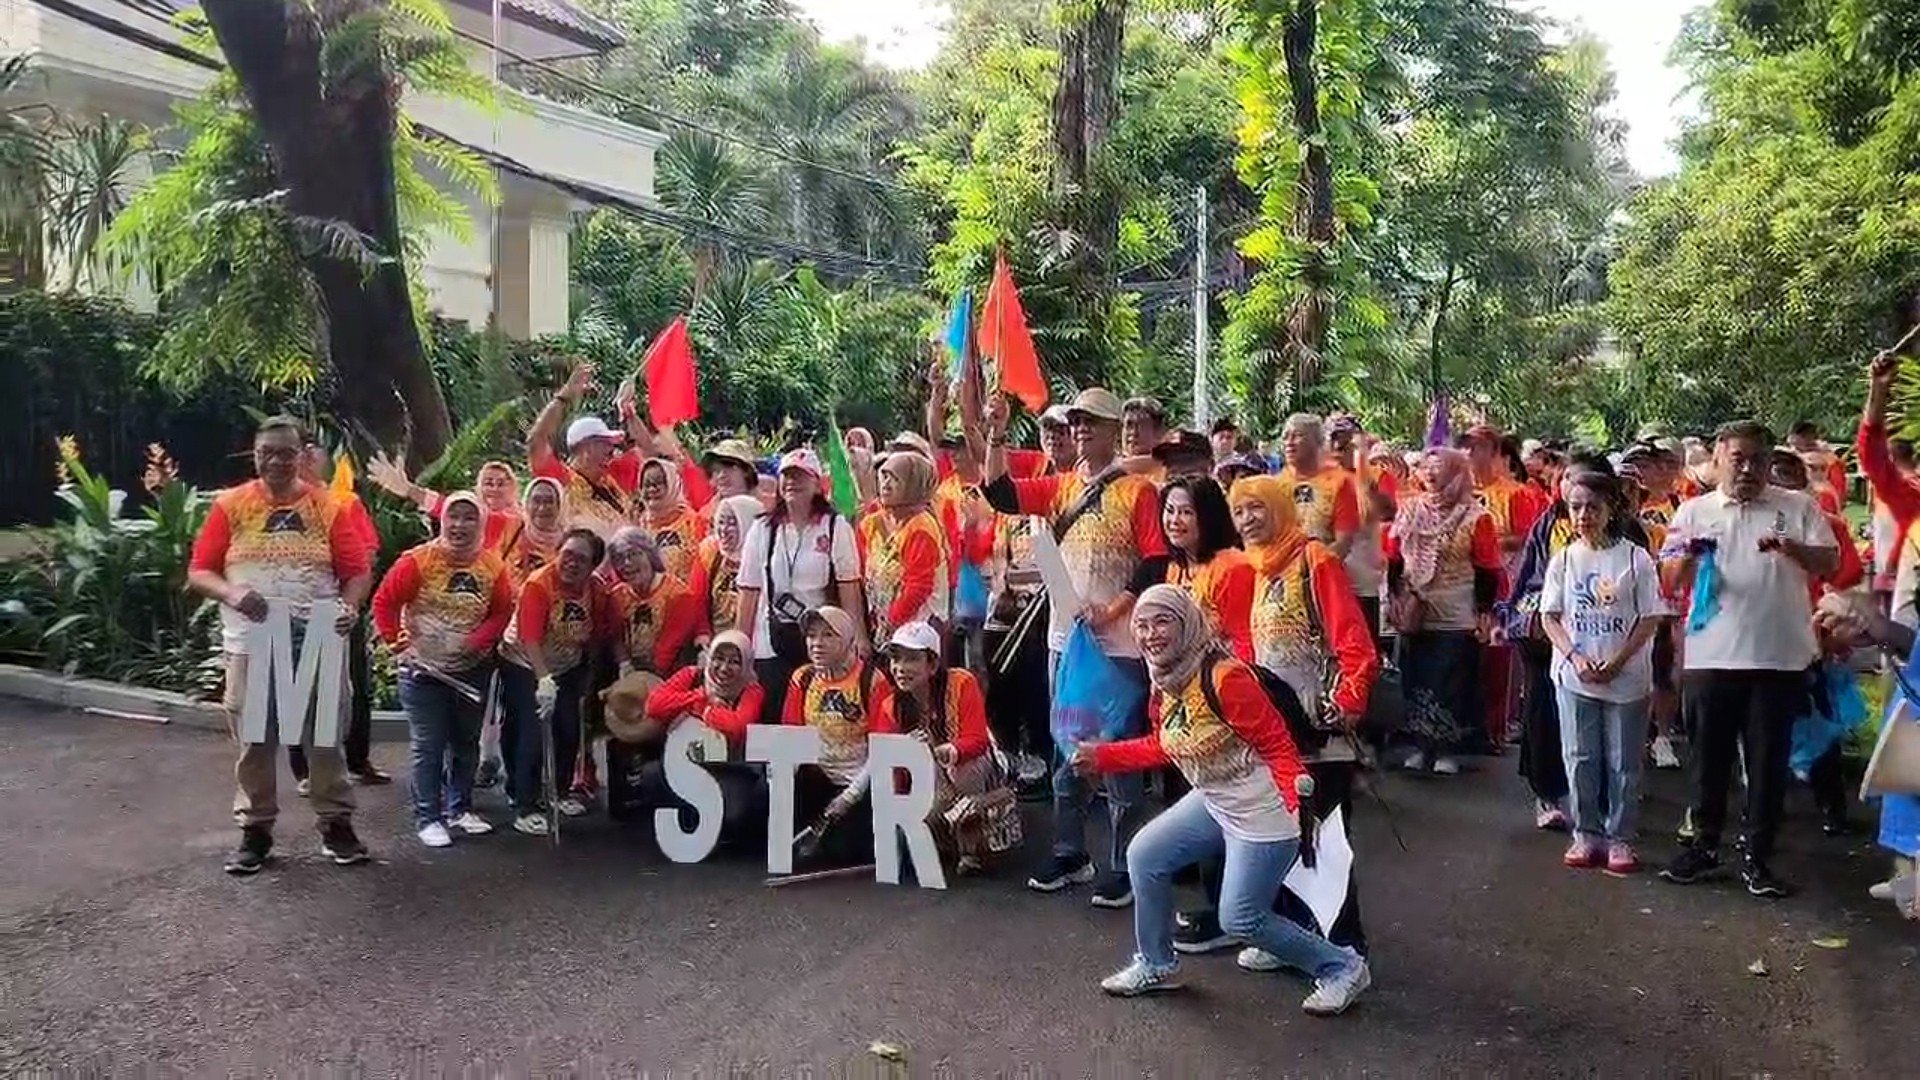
(792, 559)
(1600, 607)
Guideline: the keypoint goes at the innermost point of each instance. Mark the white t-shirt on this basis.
(1600, 594)
(806, 563)
(1765, 621)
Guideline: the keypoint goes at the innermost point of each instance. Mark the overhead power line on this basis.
(690, 124)
(843, 262)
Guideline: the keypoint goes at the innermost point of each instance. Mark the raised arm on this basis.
(547, 424)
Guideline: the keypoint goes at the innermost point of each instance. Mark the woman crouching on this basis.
(975, 812)
(1213, 720)
(838, 693)
(721, 693)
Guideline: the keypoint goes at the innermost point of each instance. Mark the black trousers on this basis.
(356, 743)
(775, 676)
(1724, 711)
(1017, 698)
(1540, 761)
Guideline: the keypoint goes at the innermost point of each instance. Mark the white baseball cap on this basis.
(918, 636)
(803, 459)
(590, 427)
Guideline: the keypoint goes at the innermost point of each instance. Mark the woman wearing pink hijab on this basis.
(1443, 573)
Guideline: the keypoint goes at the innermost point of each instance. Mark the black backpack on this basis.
(1308, 737)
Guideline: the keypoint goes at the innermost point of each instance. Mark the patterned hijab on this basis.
(674, 499)
(1288, 539)
(1428, 521)
(1195, 641)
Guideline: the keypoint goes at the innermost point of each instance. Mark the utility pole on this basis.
(1202, 414)
(493, 212)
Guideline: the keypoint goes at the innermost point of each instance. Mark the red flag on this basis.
(672, 386)
(1004, 338)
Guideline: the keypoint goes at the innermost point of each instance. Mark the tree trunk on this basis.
(332, 151)
(1307, 324)
(1086, 102)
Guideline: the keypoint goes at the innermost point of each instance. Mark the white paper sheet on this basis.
(1323, 886)
(1053, 571)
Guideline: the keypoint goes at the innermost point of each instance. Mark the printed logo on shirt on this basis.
(835, 700)
(642, 615)
(285, 520)
(823, 544)
(573, 611)
(464, 582)
(1304, 495)
(667, 540)
(1591, 594)
(1780, 523)
(1174, 720)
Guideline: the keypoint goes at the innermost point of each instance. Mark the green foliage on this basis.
(231, 261)
(1474, 169)
(772, 344)
(1787, 249)
(105, 595)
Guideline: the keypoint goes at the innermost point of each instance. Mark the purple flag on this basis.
(1439, 432)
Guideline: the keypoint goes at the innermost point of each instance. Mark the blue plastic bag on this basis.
(970, 598)
(1706, 594)
(1838, 710)
(1094, 699)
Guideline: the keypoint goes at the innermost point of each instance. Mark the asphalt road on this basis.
(123, 947)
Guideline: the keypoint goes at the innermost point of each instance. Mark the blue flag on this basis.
(958, 325)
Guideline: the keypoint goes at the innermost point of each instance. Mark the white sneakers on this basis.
(472, 824)
(1336, 993)
(1141, 977)
(534, 824)
(571, 807)
(435, 835)
(1664, 756)
(1257, 959)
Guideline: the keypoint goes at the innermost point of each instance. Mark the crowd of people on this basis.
(1284, 623)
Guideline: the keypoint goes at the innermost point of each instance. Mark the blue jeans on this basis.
(1601, 743)
(521, 725)
(442, 725)
(1183, 835)
(1126, 793)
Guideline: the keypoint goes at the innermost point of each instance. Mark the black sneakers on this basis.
(369, 775)
(1114, 891)
(256, 843)
(1198, 933)
(337, 842)
(1692, 864)
(1760, 881)
(1061, 872)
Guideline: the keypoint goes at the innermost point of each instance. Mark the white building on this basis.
(93, 63)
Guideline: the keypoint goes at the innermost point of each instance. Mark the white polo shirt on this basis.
(1765, 621)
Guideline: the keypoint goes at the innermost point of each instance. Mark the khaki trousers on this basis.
(255, 777)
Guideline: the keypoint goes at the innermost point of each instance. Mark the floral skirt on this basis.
(1440, 671)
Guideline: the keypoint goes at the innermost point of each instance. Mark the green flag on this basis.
(846, 493)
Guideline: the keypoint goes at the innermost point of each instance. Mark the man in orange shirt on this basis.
(1107, 521)
(278, 538)
(1324, 494)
